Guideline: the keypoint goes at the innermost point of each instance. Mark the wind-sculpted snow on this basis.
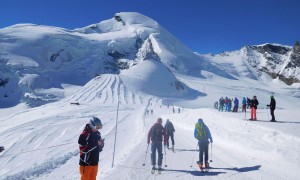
(107, 88)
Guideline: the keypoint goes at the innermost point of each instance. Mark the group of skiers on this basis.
(159, 136)
(246, 103)
(227, 104)
(91, 144)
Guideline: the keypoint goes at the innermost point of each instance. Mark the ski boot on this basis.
(173, 149)
(206, 167)
(159, 170)
(200, 165)
(153, 170)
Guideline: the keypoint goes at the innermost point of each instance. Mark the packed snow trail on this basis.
(241, 149)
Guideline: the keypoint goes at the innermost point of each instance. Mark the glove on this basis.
(101, 143)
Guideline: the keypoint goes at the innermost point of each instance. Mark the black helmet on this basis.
(94, 121)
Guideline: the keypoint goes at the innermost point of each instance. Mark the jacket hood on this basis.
(200, 121)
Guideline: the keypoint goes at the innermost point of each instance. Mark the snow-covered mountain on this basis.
(278, 61)
(120, 69)
(36, 58)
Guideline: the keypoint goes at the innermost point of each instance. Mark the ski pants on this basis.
(253, 113)
(227, 107)
(88, 172)
(272, 114)
(172, 139)
(156, 146)
(221, 107)
(244, 108)
(203, 149)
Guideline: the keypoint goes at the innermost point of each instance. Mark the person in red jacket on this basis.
(90, 145)
(157, 134)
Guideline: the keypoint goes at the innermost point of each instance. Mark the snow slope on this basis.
(41, 142)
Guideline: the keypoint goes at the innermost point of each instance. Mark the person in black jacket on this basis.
(253, 105)
(272, 106)
(170, 133)
(157, 134)
(90, 145)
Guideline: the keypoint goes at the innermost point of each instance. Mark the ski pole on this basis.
(112, 165)
(165, 157)
(211, 153)
(194, 155)
(146, 155)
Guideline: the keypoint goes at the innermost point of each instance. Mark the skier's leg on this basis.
(205, 148)
(172, 139)
(201, 153)
(254, 114)
(94, 172)
(168, 136)
(160, 154)
(272, 114)
(85, 172)
(153, 152)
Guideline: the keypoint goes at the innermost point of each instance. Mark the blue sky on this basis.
(204, 26)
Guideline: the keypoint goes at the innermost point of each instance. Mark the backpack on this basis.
(157, 133)
(200, 131)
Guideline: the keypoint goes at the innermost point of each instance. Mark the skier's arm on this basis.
(82, 142)
(100, 143)
(195, 133)
(208, 134)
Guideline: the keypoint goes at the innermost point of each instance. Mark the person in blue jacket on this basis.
(203, 135)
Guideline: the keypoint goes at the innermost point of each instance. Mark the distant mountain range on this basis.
(36, 60)
(278, 61)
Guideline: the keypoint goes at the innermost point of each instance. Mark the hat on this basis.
(271, 96)
(94, 121)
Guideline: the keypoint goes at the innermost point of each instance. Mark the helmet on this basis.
(271, 96)
(94, 121)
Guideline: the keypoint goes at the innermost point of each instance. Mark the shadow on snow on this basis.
(192, 172)
(243, 169)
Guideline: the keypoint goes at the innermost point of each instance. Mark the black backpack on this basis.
(157, 133)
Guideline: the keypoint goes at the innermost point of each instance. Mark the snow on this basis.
(41, 140)
(241, 149)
